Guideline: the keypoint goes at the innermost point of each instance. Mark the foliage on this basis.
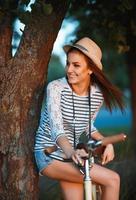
(16, 8)
(8, 7)
(39, 7)
(112, 19)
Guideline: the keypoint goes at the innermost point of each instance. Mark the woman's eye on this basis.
(67, 64)
(76, 65)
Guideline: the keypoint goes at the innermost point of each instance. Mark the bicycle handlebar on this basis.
(94, 146)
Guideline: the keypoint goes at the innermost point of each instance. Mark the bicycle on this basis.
(93, 148)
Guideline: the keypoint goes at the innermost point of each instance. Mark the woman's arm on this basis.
(108, 153)
(97, 136)
(65, 145)
(53, 100)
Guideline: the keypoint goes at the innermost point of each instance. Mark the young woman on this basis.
(71, 107)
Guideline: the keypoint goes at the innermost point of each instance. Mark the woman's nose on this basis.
(69, 68)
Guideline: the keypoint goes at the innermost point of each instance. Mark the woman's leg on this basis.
(67, 172)
(72, 191)
(109, 181)
(63, 172)
(71, 180)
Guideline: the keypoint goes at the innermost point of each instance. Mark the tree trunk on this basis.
(22, 80)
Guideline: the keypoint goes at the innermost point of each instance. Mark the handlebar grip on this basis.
(113, 139)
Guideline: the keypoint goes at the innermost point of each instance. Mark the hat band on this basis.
(80, 47)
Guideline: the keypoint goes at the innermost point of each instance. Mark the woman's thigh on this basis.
(103, 176)
(69, 172)
(63, 171)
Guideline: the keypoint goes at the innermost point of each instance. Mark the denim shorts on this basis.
(42, 160)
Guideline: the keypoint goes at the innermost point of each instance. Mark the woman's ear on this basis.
(90, 72)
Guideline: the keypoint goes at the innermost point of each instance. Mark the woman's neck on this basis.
(81, 90)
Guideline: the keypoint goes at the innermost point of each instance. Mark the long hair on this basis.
(113, 97)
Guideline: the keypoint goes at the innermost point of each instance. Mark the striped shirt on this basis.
(60, 108)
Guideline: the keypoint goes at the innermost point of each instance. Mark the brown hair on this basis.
(113, 97)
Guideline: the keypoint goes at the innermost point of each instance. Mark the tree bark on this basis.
(5, 40)
(22, 81)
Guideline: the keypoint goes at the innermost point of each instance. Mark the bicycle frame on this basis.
(87, 181)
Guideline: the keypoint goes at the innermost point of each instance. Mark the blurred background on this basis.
(113, 26)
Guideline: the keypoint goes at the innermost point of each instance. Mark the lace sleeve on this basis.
(54, 109)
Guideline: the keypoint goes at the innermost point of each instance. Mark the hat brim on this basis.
(84, 51)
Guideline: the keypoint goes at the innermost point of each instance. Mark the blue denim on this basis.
(42, 161)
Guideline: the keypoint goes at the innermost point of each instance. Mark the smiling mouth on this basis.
(72, 76)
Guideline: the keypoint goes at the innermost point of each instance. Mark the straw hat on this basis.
(89, 48)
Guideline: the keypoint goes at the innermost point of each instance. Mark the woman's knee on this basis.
(114, 180)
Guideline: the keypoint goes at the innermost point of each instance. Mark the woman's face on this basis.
(77, 69)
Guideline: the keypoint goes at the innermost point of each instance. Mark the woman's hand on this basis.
(108, 154)
(77, 156)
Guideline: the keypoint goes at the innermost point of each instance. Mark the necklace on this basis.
(89, 119)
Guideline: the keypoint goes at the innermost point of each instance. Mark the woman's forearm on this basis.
(65, 145)
(97, 136)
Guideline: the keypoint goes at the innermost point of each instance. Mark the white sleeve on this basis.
(54, 109)
(93, 128)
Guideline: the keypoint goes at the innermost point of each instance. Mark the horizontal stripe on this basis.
(47, 135)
